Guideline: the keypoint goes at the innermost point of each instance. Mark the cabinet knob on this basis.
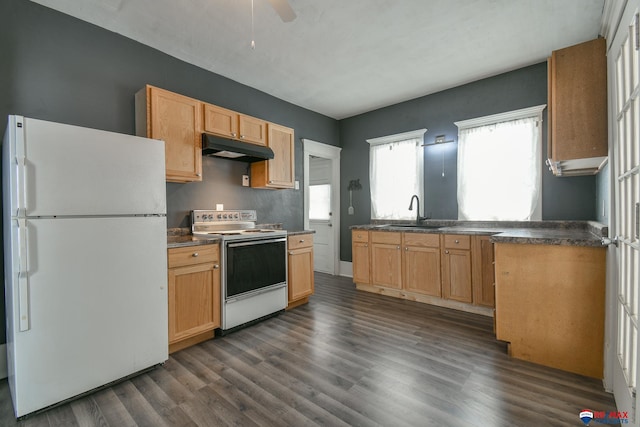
(195, 254)
(233, 134)
(366, 245)
(301, 241)
(241, 136)
(457, 241)
(406, 248)
(216, 266)
(446, 252)
(397, 247)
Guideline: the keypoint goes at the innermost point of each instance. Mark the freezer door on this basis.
(70, 170)
(97, 306)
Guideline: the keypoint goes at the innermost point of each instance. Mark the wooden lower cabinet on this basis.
(456, 268)
(421, 264)
(194, 294)
(360, 256)
(300, 262)
(550, 305)
(449, 270)
(483, 272)
(386, 259)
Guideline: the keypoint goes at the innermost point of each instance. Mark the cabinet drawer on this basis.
(300, 241)
(457, 241)
(190, 255)
(361, 236)
(386, 237)
(421, 239)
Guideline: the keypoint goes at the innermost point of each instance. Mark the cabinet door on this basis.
(177, 120)
(360, 262)
(194, 300)
(456, 275)
(483, 278)
(279, 171)
(422, 270)
(300, 273)
(220, 121)
(386, 265)
(252, 130)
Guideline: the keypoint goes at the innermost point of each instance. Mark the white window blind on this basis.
(499, 166)
(395, 174)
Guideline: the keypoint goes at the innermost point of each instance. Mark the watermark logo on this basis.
(586, 416)
(604, 417)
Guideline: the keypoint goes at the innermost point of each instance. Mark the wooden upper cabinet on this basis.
(279, 171)
(230, 124)
(577, 109)
(252, 130)
(177, 120)
(220, 121)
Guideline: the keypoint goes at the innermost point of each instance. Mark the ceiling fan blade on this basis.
(283, 9)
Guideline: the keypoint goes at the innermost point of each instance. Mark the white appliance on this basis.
(254, 265)
(85, 259)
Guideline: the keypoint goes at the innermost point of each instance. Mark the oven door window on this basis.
(253, 265)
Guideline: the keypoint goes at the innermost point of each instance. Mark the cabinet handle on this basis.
(446, 252)
(270, 182)
(233, 134)
(397, 247)
(301, 241)
(216, 266)
(406, 248)
(241, 136)
(457, 241)
(290, 253)
(195, 254)
(198, 174)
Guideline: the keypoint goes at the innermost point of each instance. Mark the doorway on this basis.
(322, 203)
(624, 258)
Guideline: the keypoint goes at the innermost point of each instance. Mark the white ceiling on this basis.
(345, 57)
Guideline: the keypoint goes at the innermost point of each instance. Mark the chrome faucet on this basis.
(418, 217)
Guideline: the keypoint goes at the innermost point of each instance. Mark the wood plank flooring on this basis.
(347, 358)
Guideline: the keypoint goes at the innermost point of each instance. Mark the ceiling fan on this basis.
(283, 8)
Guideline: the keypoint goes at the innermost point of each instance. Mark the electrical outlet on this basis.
(296, 185)
(219, 207)
(245, 180)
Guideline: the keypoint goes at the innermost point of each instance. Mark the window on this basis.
(395, 174)
(499, 166)
(320, 202)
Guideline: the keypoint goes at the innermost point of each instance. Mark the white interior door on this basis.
(623, 58)
(321, 213)
(322, 203)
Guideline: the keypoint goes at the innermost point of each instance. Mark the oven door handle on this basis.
(255, 242)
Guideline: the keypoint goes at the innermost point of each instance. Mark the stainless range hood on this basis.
(234, 150)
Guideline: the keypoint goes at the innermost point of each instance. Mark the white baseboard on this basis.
(346, 269)
(3, 361)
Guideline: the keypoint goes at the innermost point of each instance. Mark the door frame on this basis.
(318, 149)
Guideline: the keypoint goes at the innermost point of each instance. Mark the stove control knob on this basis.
(219, 216)
(237, 215)
(225, 216)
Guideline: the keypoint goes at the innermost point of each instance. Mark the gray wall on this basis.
(55, 67)
(562, 198)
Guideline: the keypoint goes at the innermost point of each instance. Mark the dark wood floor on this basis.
(347, 358)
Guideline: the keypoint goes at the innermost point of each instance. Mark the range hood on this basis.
(234, 150)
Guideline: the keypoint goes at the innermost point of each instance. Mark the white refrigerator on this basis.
(85, 259)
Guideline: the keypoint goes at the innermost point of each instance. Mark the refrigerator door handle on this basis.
(23, 277)
(21, 163)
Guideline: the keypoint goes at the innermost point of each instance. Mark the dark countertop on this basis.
(297, 232)
(181, 237)
(566, 233)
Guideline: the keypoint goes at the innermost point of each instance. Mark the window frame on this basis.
(535, 112)
(395, 138)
